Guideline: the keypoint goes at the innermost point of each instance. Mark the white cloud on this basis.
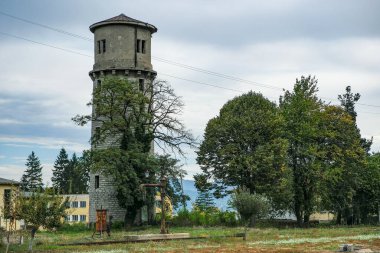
(11, 171)
(43, 142)
(14, 172)
(10, 122)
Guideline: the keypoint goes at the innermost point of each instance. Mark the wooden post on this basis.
(163, 214)
(163, 194)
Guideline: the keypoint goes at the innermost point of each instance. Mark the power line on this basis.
(176, 77)
(197, 69)
(44, 44)
(202, 83)
(47, 27)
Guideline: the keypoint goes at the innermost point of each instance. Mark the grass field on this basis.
(324, 239)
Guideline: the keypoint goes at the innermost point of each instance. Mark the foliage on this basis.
(61, 173)
(71, 175)
(343, 159)
(135, 118)
(32, 178)
(167, 167)
(74, 227)
(128, 120)
(249, 206)
(301, 110)
(80, 176)
(348, 101)
(243, 147)
(204, 201)
(40, 209)
(211, 217)
(366, 200)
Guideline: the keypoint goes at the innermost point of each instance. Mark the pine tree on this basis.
(79, 177)
(61, 172)
(32, 178)
(204, 201)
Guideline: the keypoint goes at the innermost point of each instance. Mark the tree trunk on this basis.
(130, 216)
(298, 213)
(339, 217)
(32, 234)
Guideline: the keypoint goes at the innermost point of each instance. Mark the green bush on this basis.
(74, 227)
(210, 217)
(118, 225)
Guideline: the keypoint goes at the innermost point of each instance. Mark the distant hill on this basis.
(190, 190)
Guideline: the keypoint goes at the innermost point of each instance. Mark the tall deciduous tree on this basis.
(242, 147)
(32, 178)
(348, 101)
(343, 159)
(130, 120)
(301, 110)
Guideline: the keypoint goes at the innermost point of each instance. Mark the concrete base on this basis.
(157, 237)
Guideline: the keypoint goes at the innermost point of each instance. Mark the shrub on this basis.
(74, 227)
(210, 217)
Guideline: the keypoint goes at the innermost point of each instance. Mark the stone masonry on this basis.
(122, 48)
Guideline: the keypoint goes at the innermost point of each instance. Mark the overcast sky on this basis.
(269, 43)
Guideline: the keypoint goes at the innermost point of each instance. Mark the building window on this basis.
(141, 84)
(101, 46)
(140, 46)
(7, 203)
(143, 46)
(74, 218)
(67, 218)
(99, 84)
(83, 204)
(104, 45)
(68, 204)
(74, 204)
(97, 182)
(83, 218)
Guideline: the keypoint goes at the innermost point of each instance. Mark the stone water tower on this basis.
(122, 48)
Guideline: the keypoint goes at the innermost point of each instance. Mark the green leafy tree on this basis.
(301, 110)
(61, 173)
(249, 206)
(343, 159)
(242, 147)
(130, 120)
(168, 168)
(348, 101)
(32, 178)
(40, 209)
(367, 198)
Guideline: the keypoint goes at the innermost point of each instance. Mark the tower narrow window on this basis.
(99, 84)
(97, 182)
(138, 46)
(143, 46)
(104, 45)
(141, 84)
(101, 46)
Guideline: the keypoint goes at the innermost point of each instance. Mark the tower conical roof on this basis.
(123, 19)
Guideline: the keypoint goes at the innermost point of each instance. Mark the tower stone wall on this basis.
(122, 48)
